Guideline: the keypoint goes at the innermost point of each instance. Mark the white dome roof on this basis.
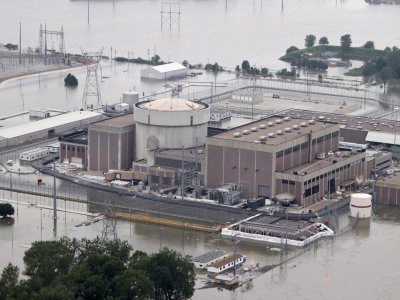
(171, 104)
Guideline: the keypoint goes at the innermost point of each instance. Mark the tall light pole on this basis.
(396, 109)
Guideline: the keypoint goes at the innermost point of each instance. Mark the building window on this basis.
(320, 139)
(315, 189)
(296, 148)
(292, 182)
(284, 181)
(288, 151)
(68, 148)
(335, 134)
(314, 142)
(191, 120)
(279, 154)
(307, 192)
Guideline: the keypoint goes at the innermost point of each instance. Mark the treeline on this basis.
(97, 269)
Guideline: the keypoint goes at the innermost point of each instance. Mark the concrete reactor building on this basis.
(169, 123)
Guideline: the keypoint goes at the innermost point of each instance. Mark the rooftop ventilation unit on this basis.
(311, 122)
(237, 134)
(321, 117)
(270, 124)
(257, 142)
(296, 127)
(321, 155)
(263, 138)
(246, 132)
(279, 121)
(272, 135)
(298, 116)
(303, 124)
(263, 126)
(360, 127)
(288, 129)
(286, 119)
(280, 132)
(254, 129)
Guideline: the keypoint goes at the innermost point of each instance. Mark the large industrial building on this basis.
(164, 72)
(282, 155)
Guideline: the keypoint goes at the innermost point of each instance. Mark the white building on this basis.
(227, 263)
(207, 259)
(163, 72)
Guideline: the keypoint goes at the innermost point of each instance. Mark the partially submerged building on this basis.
(207, 259)
(164, 72)
(282, 155)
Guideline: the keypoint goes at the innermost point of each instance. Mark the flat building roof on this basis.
(46, 124)
(347, 121)
(282, 129)
(118, 122)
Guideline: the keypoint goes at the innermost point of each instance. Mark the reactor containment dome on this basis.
(169, 123)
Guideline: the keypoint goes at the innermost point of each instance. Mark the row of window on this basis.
(288, 182)
(71, 148)
(311, 191)
(305, 145)
(332, 173)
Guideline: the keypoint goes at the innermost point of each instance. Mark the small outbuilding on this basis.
(225, 264)
(207, 259)
(163, 72)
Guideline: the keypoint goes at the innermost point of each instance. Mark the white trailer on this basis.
(34, 154)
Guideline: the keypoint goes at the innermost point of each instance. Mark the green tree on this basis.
(245, 66)
(46, 260)
(369, 45)
(10, 46)
(310, 40)
(70, 80)
(185, 63)
(385, 74)
(155, 59)
(172, 274)
(6, 209)
(8, 280)
(237, 69)
(133, 284)
(291, 49)
(323, 41)
(264, 72)
(345, 42)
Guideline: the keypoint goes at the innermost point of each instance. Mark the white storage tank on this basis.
(169, 123)
(361, 205)
(130, 97)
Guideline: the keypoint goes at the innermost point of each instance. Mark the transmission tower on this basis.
(92, 84)
(170, 14)
(109, 223)
(51, 45)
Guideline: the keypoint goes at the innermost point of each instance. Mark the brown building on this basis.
(282, 155)
(112, 144)
(388, 190)
(74, 147)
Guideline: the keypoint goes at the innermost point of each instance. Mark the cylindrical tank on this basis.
(169, 123)
(361, 205)
(130, 97)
